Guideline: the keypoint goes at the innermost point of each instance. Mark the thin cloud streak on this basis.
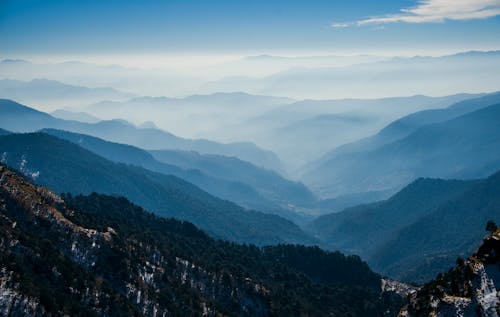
(435, 11)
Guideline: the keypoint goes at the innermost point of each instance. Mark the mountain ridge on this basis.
(134, 263)
(21, 118)
(66, 167)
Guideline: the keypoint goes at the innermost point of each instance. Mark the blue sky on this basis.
(239, 26)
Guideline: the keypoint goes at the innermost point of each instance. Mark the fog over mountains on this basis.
(405, 181)
(307, 77)
(251, 158)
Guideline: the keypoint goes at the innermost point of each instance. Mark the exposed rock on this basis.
(469, 289)
(24, 206)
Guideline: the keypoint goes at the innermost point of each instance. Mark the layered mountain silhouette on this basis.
(66, 167)
(318, 126)
(75, 116)
(405, 76)
(458, 142)
(418, 232)
(100, 255)
(225, 177)
(52, 93)
(18, 118)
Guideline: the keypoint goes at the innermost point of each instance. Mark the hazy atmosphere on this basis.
(303, 128)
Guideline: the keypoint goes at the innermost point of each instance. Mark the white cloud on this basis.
(432, 11)
(340, 25)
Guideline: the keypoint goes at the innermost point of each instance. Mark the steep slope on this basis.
(225, 177)
(347, 230)
(99, 256)
(413, 235)
(320, 125)
(66, 167)
(269, 183)
(466, 147)
(402, 127)
(469, 289)
(435, 235)
(18, 118)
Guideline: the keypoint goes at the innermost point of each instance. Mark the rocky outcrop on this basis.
(470, 289)
(75, 259)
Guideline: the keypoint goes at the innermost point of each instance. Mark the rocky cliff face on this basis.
(50, 264)
(469, 289)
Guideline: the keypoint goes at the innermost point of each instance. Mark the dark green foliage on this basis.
(302, 280)
(66, 167)
(491, 226)
(55, 255)
(318, 264)
(42, 271)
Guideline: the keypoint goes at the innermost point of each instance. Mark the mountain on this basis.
(305, 130)
(225, 177)
(332, 205)
(232, 168)
(402, 127)
(192, 116)
(347, 230)
(99, 255)
(139, 81)
(438, 243)
(413, 235)
(471, 288)
(66, 167)
(464, 146)
(405, 76)
(74, 116)
(50, 94)
(18, 118)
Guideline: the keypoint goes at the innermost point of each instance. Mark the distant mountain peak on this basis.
(148, 125)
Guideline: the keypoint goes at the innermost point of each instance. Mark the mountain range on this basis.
(192, 116)
(99, 255)
(419, 231)
(51, 94)
(67, 167)
(321, 125)
(405, 76)
(225, 177)
(459, 141)
(19, 118)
